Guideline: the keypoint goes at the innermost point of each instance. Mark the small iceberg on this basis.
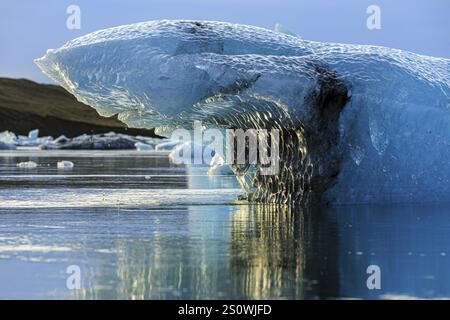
(8, 137)
(8, 140)
(27, 165)
(65, 164)
(29, 142)
(102, 141)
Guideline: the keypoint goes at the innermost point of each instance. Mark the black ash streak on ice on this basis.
(309, 154)
(348, 114)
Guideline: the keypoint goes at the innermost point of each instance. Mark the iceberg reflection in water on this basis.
(179, 249)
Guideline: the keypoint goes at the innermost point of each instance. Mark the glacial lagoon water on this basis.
(138, 227)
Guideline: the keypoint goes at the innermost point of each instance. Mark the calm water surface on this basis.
(138, 227)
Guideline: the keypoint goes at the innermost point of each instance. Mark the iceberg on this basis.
(359, 123)
(8, 140)
(102, 141)
(8, 137)
(106, 141)
(32, 141)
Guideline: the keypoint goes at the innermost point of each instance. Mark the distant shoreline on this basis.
(26, 105)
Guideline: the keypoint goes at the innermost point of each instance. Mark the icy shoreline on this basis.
(104, 141)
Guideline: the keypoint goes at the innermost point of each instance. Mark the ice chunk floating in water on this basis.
(8, 140)
(359, 124)
(64, 164)
(27, 165)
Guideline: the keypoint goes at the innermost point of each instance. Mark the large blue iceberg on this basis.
(361, 124)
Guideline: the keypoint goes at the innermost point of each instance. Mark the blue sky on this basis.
(29, 27)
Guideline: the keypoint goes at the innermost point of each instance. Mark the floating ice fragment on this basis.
(65, 164)
(27, 165)
(8, 138)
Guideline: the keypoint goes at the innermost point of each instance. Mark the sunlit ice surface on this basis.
(139, 227)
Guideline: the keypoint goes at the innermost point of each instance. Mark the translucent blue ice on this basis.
(394, 131)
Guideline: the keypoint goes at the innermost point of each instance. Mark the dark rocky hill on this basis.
(26, 105)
